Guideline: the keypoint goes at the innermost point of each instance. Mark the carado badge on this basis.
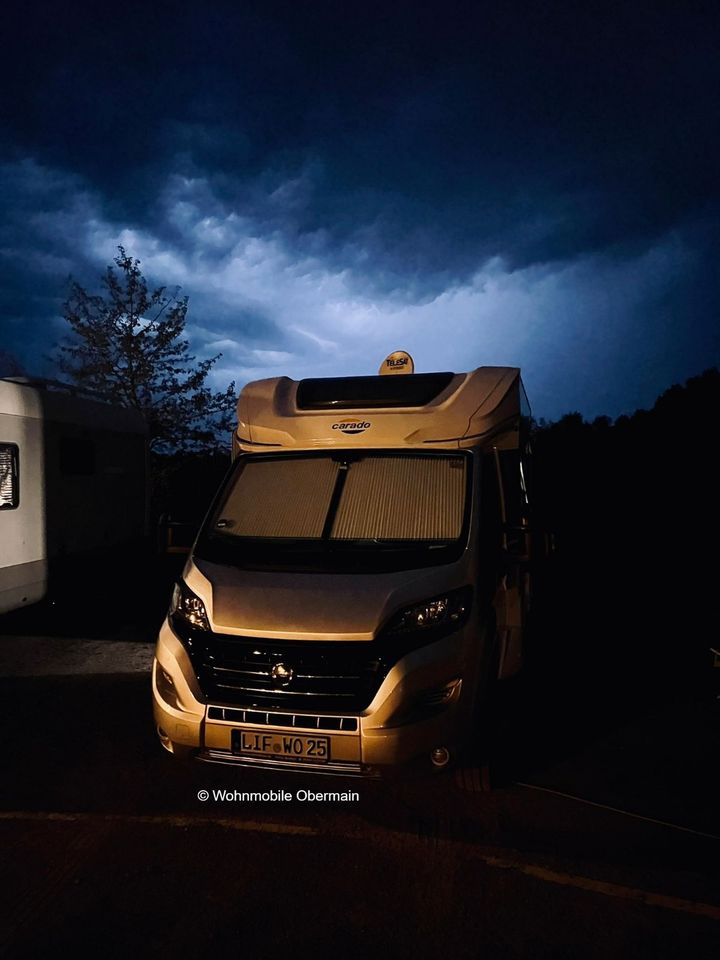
(397, 362)
(351, 426)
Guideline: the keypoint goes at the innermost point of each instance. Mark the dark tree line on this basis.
(632, 504)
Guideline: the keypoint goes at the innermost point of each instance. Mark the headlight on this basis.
(187, 608)
(441, 614)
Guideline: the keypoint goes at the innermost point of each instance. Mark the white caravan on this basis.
(360, 579)
(72, 484)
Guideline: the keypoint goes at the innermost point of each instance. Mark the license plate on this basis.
(281, 746)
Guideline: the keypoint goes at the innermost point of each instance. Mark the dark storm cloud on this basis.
(41, 210)
(56, 227)
(292, 165)
(532, 132)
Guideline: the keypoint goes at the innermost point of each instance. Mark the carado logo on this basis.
(352, 426)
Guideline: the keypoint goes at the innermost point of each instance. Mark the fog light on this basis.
(440, 757)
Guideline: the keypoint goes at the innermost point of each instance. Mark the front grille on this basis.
(326, 675)
(265, 718)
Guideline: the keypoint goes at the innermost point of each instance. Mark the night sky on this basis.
(531, 184)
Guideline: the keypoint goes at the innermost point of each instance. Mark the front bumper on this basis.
(423, 703)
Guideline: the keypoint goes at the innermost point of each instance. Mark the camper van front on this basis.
(325, 615)
(338, 610)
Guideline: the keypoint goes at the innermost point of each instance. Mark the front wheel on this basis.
(474, 773)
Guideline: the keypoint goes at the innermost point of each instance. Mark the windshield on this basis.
(343, 509)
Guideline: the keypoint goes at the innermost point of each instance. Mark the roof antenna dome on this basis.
(397, 362)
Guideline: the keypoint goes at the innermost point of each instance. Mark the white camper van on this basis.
(72, 484)
(359, 581)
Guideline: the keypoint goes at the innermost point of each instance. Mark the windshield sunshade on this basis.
(280, 498)
(370, 498)
(402, 498)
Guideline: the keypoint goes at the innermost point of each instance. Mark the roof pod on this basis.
(420, 410)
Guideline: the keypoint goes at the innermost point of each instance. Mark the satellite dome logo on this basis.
(397, 362)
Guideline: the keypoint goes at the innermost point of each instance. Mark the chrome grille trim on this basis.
(281, 691)
(239, 671)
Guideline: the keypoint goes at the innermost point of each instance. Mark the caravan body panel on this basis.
(23, 553)
(80, 484)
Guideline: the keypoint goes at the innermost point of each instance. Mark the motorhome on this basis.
(72, 484)
(361, 578)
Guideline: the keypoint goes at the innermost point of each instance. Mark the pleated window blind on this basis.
(280, 498)
(402, 498)
(384, 498)
(8, 476)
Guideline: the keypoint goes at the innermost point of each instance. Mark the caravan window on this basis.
(9, 476)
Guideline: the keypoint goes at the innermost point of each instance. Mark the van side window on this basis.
(490, 526)
(77, 456)
(509, 469)
(513, 475)
(9, 476)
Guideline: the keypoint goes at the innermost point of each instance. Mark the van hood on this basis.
(311, 606)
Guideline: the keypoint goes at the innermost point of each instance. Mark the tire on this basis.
(474, 779)
(474, 773)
